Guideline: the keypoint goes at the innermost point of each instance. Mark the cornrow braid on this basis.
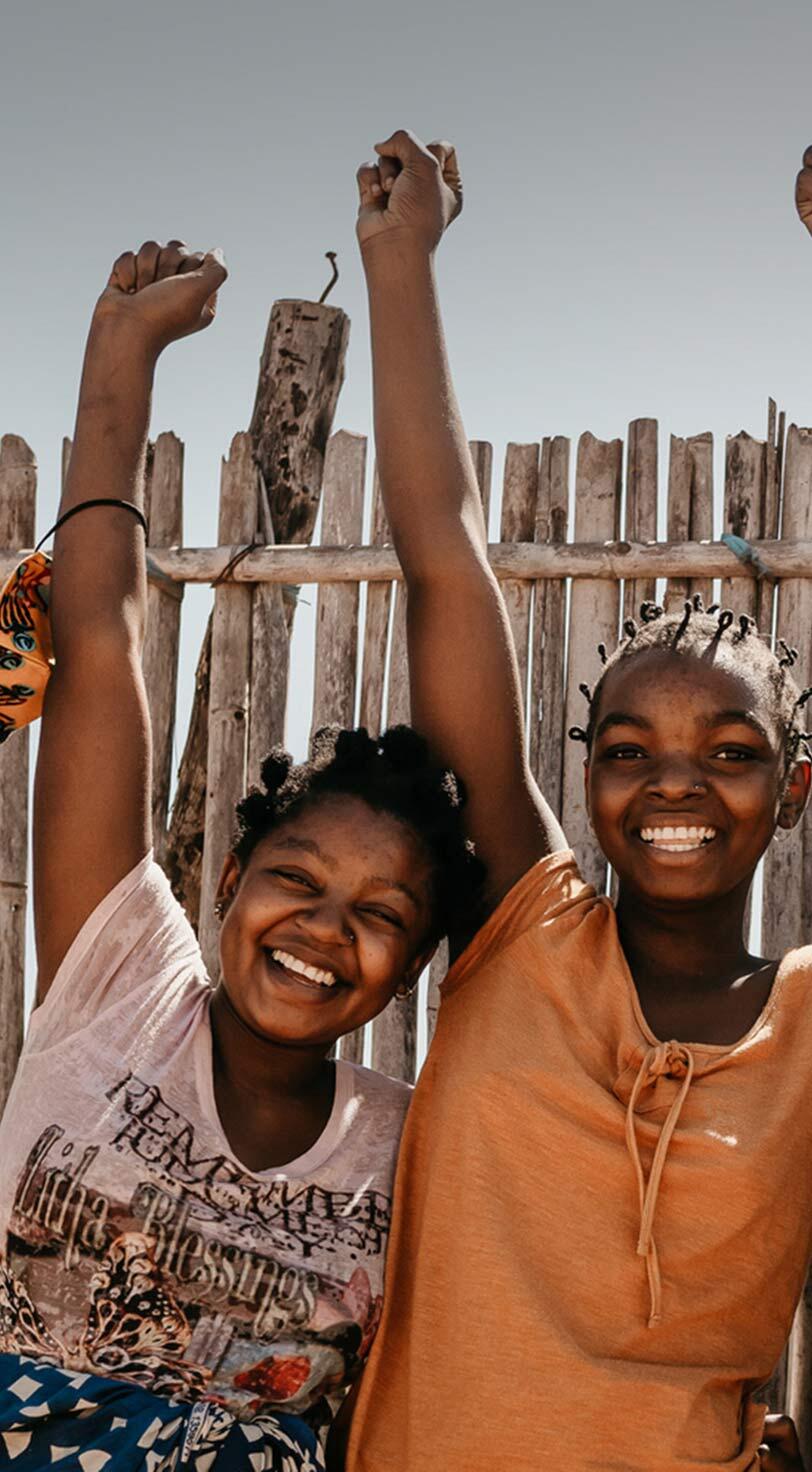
(694, 629)
(392, 773)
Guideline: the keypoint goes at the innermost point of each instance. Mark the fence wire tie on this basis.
(226, 575)
(748, 554)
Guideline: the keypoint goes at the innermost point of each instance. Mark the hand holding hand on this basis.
(163, 292)
(780, 1452)
(412, 188)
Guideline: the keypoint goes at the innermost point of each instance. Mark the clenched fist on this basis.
(163, 292)
(803, 191)
(413, 188)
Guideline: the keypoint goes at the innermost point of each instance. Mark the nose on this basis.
(675, 778)
(328, 922)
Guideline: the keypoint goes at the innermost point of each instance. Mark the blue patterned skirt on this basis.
(54, 1420)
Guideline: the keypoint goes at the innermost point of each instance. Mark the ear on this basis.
(229, 879)
(795, 795)
(411, 976)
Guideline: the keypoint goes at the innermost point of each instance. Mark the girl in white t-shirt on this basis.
(194, 1200)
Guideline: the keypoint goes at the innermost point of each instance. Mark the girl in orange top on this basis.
(604, 1201)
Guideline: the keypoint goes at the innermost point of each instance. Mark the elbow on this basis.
(103, 643)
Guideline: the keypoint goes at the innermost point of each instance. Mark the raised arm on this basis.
(92, 792)
(464, 682)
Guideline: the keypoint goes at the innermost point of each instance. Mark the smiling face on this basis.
(686, 775)
(330, 914)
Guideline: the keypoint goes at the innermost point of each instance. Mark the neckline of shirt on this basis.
(716, 1049)
(321, 1149)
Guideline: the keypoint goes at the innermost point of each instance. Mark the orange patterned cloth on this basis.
(26, 653)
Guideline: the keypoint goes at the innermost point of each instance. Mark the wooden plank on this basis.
(161, 642)
(785, 912)
(520, 490)
(18, 495)
(594, 615)
(641, 506)
(770, 520)
(702, 506)
(229, 687)
(337, 607)
(394, 1031)
(373, 672)
(581, 559)
(745, 488)
(270, 657)
(547, 734)
(482, 456)
(270, 654)
(787, 906)
(690, 510)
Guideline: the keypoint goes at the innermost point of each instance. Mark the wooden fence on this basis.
(564, 596)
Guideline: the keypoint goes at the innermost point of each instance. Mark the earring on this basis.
(403, 993)
(220, 909)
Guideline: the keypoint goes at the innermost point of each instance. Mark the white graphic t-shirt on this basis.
(133, 1243)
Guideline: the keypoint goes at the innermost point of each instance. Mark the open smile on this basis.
(680, 839)
(298, 973)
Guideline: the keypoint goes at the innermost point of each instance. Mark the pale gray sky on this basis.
(628, 246)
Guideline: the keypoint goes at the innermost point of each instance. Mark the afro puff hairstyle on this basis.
(392, 773)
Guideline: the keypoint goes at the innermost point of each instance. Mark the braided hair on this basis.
(393, 773)
(695, 631)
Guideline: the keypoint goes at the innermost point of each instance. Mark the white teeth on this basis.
(678, 839)
(300, 968)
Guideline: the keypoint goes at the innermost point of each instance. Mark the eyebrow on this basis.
(622, 718)
(309, 846)
(397, 884)
(738, 718)
(721, 718)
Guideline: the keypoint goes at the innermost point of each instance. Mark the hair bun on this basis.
(275, 769)
(404, 749)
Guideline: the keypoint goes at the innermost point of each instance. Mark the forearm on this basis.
(99, 575)
(426, 472)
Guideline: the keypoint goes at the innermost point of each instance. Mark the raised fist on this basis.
(163, 292)
(803, 191)
(412, 188)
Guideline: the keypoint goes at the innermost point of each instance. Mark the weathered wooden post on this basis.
(229, 687)
(18, 493)
(300, 377)
(164, 511)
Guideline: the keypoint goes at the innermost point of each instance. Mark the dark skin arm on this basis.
(464, 683)
(92, 791)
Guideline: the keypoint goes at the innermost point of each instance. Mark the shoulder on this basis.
(795, 968)
(136, 940)
(549, 900)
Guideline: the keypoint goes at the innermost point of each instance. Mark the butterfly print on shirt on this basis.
(135, 1328)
